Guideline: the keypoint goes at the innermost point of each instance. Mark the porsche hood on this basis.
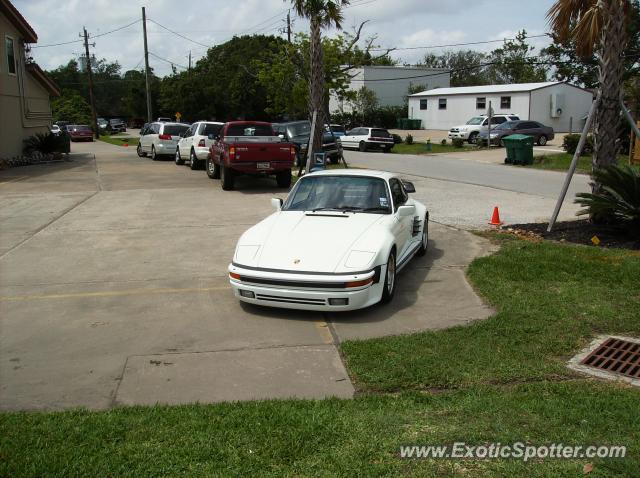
(299, 241)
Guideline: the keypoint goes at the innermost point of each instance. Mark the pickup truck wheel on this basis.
(179, 159)
(193, 161)
(141, 154)
(389, 287)
(334, 159)
(473, 138)
(227, 178)
(284, 178)
(363, 146)
(154, 156)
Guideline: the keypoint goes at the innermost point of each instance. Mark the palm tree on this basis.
(598, 25)
(321, 14)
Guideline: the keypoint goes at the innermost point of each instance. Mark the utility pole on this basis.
(189, 60)
(289, 26)
(91, 98)
(146, 66)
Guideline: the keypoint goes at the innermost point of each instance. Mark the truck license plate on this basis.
(263, 165)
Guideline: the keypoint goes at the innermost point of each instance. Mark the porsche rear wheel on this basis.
(389, 288)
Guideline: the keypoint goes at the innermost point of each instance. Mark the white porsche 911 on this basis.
(336, 243)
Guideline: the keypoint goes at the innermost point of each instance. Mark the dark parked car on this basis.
(80, 132)
(117, 126)
(297, 132)
(541, 133)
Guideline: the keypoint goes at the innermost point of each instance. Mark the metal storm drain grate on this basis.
(617, 356)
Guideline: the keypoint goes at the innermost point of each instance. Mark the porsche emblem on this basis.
(296, 261)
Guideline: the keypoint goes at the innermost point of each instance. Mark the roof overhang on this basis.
(17, 20)
(43, 79)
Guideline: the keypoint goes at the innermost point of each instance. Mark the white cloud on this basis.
(395, 23)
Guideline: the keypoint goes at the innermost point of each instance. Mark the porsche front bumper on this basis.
(306, 291)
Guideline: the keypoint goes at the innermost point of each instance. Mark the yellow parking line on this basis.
(111, 293)
(325, 333)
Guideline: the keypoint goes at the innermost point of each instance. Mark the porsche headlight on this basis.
(359, 259)
(246, 254)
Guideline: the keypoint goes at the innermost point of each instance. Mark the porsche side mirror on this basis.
(409, 187)
(276, 203)
(404, 211)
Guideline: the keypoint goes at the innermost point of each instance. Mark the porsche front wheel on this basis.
(389, 288)
(424, 243)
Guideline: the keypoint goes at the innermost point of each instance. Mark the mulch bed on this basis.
(579, 232)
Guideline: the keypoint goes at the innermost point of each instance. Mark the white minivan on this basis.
(196, 141)
(160, 139)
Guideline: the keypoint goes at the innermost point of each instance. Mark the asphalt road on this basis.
(462, 189)
(114, 290)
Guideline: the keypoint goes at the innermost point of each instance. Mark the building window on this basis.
(481, 103)
(442, 103)
(11, 55)
(505, 102)
(423, 104)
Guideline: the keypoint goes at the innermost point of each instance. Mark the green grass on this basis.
(359, 437)
(561, 162)
(551, 299)
(502, 379)
(420, 148)
(119, 140)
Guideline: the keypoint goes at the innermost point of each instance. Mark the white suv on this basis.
(475, 125)
(160, 139)
(196, 141)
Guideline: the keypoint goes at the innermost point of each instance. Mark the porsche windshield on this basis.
(340, 193)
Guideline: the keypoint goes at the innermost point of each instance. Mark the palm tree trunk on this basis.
(316, 87)
(610, 79)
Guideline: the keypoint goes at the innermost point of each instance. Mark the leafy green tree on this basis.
(467, 66)
(513, 63)
(72, 107)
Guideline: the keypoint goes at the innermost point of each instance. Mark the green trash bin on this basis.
(519, 149)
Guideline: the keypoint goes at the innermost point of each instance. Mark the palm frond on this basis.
(618, 198)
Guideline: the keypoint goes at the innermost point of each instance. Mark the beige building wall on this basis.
(24, 104)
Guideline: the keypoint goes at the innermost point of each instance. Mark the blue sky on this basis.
(396, 23)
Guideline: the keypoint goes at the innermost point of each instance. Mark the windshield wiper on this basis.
(376, 208)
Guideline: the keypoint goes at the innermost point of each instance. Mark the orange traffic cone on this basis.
(495, 219)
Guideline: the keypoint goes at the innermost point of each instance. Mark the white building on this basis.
(391, 83)
(557, 104)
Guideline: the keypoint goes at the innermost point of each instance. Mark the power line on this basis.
(172, 63)
(179, 34)
(455, 44)
(116, 29)
(95, 36)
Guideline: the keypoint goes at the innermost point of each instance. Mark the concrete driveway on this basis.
(113, 290)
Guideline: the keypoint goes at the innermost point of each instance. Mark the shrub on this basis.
(570, 144)
(44, 143)
(457, 142)
(397, 139)
(409, 139)
(443, 142)
(618, 198)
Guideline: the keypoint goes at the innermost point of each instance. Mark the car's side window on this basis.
(156, 129)
(398, 194)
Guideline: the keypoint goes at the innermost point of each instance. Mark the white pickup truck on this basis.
(470, 131)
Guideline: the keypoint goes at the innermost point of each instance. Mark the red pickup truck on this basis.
(250, 147)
